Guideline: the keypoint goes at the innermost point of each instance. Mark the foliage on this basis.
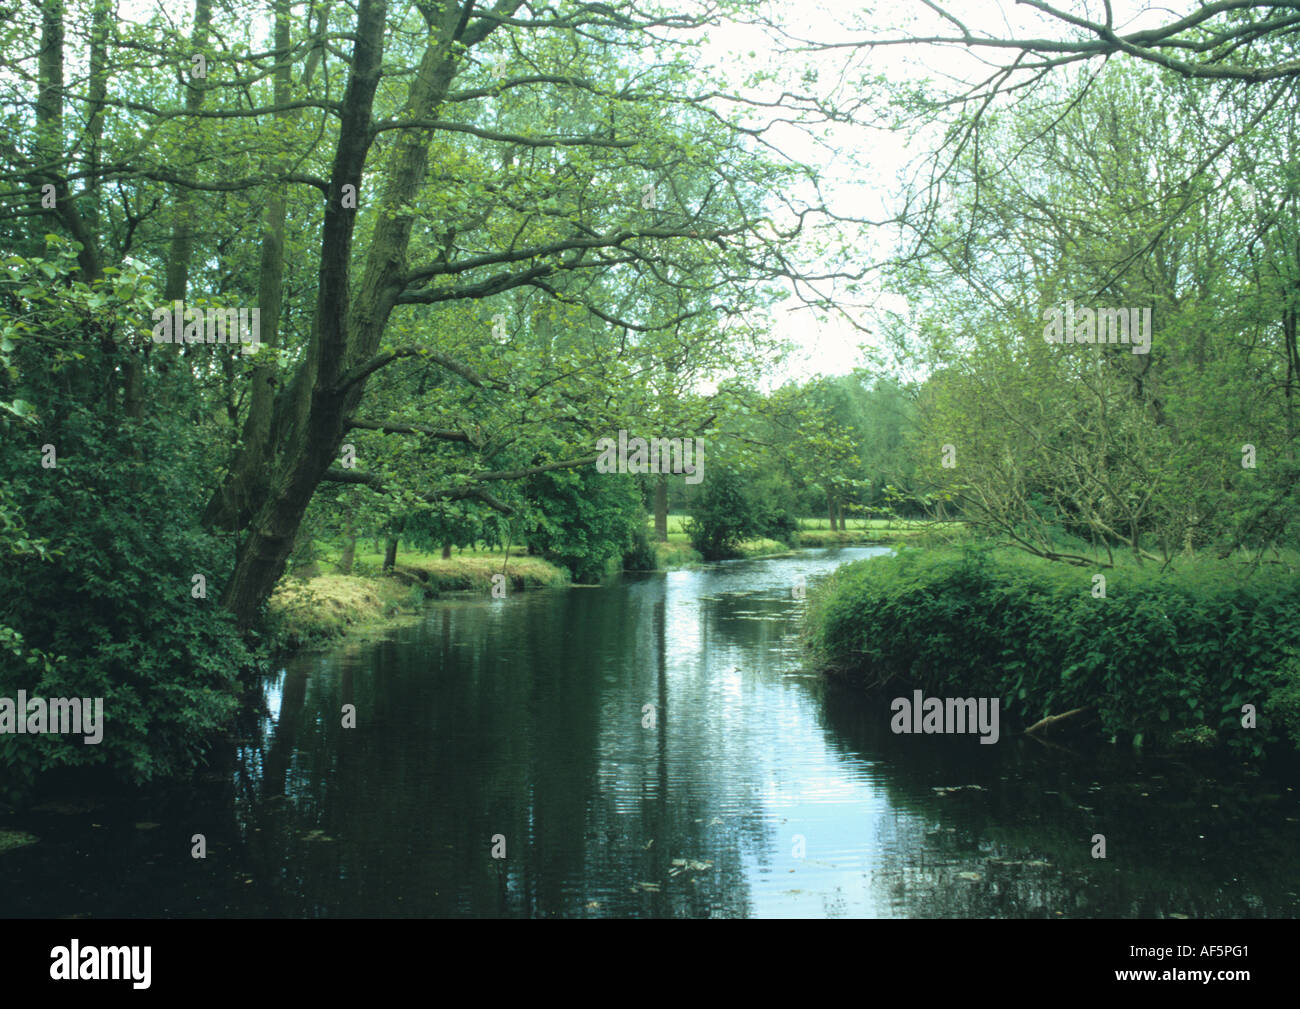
(724, 515)
(1159, 653)
(582, 519)
(101, 604)
(641, 555)
(1187, 446)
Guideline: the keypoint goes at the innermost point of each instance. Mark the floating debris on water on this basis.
(11, 839)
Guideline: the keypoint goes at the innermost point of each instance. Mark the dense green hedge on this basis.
(1161, 654)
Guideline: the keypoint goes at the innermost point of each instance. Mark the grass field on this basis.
(813, 532)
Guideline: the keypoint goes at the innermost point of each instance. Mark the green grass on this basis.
(327, 604)
(472, 567)
(813, 532)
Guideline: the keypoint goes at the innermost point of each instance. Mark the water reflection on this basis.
(754, 791)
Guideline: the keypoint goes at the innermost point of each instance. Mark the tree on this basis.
(399, 189)
(1111, 447)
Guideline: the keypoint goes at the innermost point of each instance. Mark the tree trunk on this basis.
(830, 509)
(390, 554)
(182, 244)
(446, 551)
(661, 509)
(100, 20)
(1050, 720)
(349, 553)
(262, 554)
(49, 97)
(349, 319)
(247, 481)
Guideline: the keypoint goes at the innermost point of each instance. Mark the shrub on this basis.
(724, 515)
(641, 555)
(101, 549)
(583, 519)
(1159, 654)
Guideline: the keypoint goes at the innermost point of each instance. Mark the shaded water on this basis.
(524, 720)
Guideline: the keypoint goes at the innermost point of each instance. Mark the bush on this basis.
(101, 550)
(1284, 704)
(724, 516)
(641, 555)
(1159, 654)
(110, 612)
(781, 525)
(583, 519)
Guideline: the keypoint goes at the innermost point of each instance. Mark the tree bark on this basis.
(390, 554)
(661, 509)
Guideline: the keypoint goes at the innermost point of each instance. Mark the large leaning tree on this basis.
(543, 212)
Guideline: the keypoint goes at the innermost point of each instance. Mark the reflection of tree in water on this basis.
(493, 720)
(654, 820)
(524, 719)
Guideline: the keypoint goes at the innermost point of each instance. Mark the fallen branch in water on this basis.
(1055, 746)
(1050, 720)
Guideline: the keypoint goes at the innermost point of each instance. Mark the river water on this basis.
(654, 747)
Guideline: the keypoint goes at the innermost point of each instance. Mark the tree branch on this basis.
(363, 371)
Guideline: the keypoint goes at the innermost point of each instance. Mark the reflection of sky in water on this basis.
(525, 715)
(274, 696)
(760, 727)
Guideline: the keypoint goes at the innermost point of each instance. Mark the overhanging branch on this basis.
(364, 371)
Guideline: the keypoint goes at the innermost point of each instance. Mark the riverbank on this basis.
(811, 534)
(321, 603)
(1199, 656)
(309, 611)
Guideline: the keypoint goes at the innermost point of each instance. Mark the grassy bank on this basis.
(323, 606)
(1161, 659)
(817, 532)
(319, 603)
(677, 552)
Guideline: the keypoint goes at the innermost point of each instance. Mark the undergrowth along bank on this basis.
(1161, 658)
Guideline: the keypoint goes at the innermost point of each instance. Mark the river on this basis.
(657, 747)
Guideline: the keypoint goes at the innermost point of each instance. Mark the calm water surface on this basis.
(757, 791)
